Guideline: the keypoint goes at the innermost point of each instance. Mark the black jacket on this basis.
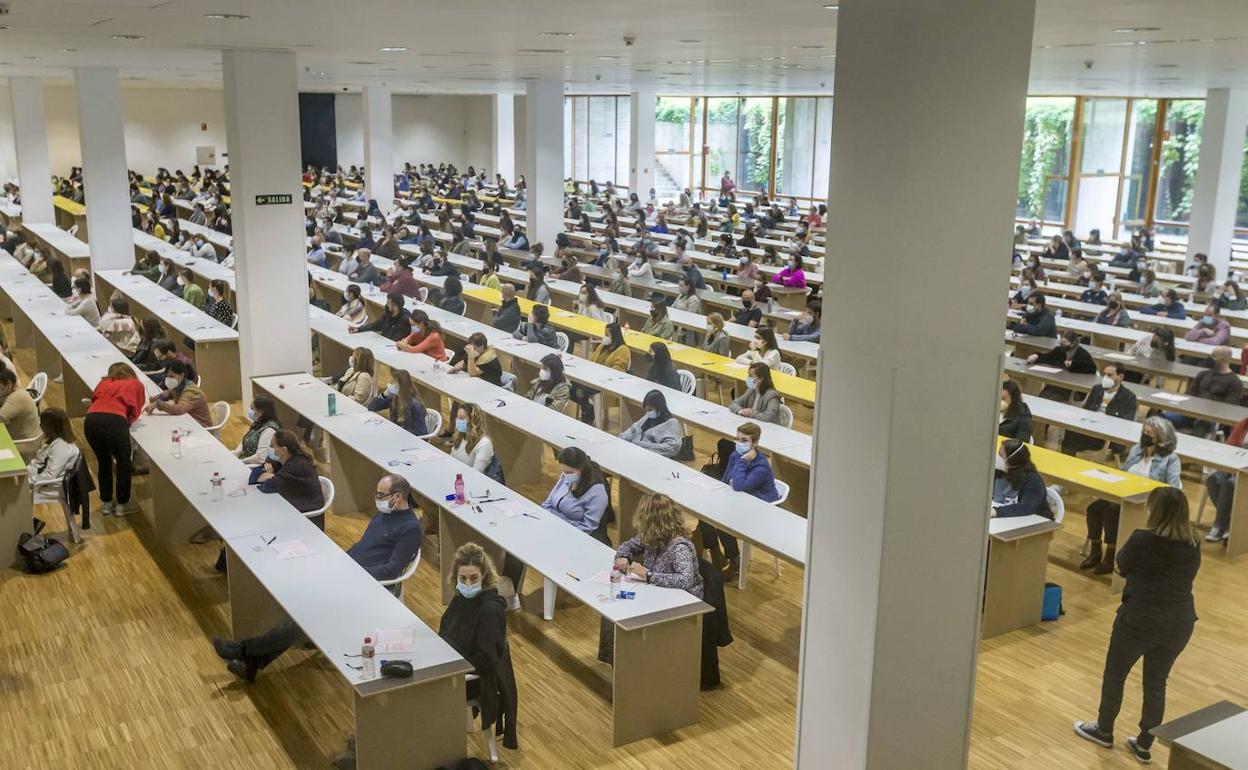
(477, 629)
(1018, 427)
(391, 327)
(1158, 594)
(1121, 405)
(716, 631)
(508, 316)
(1080, 361)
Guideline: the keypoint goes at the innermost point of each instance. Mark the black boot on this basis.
(1107, 564)
(1094, 556)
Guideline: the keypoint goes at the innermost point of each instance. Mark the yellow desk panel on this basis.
(1072, 469)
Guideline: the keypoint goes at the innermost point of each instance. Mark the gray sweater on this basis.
(766, 408)
(663, 438)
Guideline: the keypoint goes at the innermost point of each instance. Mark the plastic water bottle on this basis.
(771, 304)
(332, 404)
(218, 487)
(175, 443)
(617, 578)
(723, 274)
(368, 657)
(459, 489)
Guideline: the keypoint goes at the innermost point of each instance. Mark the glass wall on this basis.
(803, 147)
(1241, 214)
(677, 145)
(1180, 155)
(1102, 130)
(1044, 170)
(1137, 167)
(596, 133)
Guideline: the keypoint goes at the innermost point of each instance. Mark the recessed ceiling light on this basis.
(1166, 66)
(127, 37)
(227, 16)
(688, 40)
(558, 34)
(542, 50)
(392, 49)
(1123, 30)
(831, 7)
(68, 50)
(610, 58)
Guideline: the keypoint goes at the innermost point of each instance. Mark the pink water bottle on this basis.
(459, 489)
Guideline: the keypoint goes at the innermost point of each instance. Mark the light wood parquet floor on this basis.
(107, 664)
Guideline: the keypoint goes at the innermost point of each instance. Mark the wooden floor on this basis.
(107, 664)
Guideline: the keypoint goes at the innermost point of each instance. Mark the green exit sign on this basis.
(272, 199)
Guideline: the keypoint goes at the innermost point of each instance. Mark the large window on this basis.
(804, 147)
(677, 145)
(1241, 214)
(596, 132)
(1180, 156)
(1137, 166)
(1044, 171)
(1102, 133)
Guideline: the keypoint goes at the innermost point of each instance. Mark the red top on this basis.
(122, 397)
(429, 343)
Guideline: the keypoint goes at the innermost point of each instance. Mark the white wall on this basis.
(162, 127)
(349, 125)
(427, 129)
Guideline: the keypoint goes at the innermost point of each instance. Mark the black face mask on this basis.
(1146, 440)
(747, 304)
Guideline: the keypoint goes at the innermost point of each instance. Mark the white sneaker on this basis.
(126, 509)
(109, 508)
(1215, 534)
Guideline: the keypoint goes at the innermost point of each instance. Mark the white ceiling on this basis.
(700, 47)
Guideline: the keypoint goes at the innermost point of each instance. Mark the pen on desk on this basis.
(531, 516)
(269, 541)
(574, 577)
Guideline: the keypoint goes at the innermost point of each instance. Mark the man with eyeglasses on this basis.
(389, 544)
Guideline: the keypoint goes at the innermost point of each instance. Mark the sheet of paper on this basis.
(193, 442)
(424, 453)
(395, 641)
(512, 508)
(1175, 398)
(736, 366)
(1100, 475)
(6, 454)
(1120, 356)
(369, 418)
(291, 549)
(307, 384)
(1046, 369)
(700, 480)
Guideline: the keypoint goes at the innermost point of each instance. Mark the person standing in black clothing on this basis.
(1155, 620)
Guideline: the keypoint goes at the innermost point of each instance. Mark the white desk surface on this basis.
(1224, 742)
(59, 239)
(774, 529)
(548, 544)
(1123, 335)
(214, 237)
(171, 310)
(208, 269)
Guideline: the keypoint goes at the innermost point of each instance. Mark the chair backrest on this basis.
(423, 293)
(786, 417)
(234, 322)
(783, 488)
(327, 492)
(688, 382)
(27, 447)
(562, 340)
(37, 386)
(508, 381)
(73, 229)
(220, 415)
(1056, 504)
(433, 423)
(787, 368)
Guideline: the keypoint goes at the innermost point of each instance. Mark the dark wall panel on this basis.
(318, 133)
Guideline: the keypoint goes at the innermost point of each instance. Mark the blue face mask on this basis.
(468, 591)
(750, 382)
(744, 447)
(251, 414)
(652, 415)
(392, 390)
(1207, 320)
(461, 425)
(271, 454)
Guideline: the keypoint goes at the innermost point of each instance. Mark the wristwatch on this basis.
(648, 575)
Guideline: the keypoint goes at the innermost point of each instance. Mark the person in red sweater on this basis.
(116, 404)
(426, 337)
(399, 280)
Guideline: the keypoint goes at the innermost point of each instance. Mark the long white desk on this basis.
(59, 244)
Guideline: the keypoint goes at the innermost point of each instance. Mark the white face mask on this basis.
(172, 382)
(181, 281)
(543, 375)
(383, 506)
(999, 463)
(1108, 383)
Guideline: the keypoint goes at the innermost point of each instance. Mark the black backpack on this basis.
(41, 554)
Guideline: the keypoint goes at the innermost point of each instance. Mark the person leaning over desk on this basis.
(116, 403)
(389, 544)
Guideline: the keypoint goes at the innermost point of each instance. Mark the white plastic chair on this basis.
(1056, 504)
(37, 386)
(463, 309)
(508, 381)
(473, 726)
(562, 340)
(57, 486)
(422, 293)
(398, 581)
(327, 491)
(220, 416)
(688, 383)
(787, 368)
(27, 447)
(786, 417)
(433, 424)
(747, 549)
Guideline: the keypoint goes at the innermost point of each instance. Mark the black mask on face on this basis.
(1146, 440)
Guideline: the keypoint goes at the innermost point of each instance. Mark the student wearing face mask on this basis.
(82, 302)
(469, 442)
(290, 471)
(763, 348)
(406, 408)
(353, 308)
(791, 275)
(1114, 314)
(1110, 396)
(746, 470)
(1170, 306)
(169, 277)
(1229, 297)
(550, 388)
(661, 371)
(750, 313)
(389, 544)
(806, 327)
(118, 326)
(761, 401)
(478, 359)
(580, 495)
(656, 430)
(538, 329)
(1018, 488)
(218, 306)
(1015, 414)
(1038, 320)
(253, 449)
(747, 267)
(1095, 293)
(393, 322)
(588, 303)
(357, 382)
(716, 339)
(659, 324)
(687, 299)
(191, 293)
(1211, 329)
(1068, 355)
(181, 396)
(201, 248)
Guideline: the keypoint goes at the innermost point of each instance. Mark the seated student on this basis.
(488, 277)
(1221, 488)
(1018, 489)
(747, 267)
(1170, 306)
(1114, 313)
(611, 350)
(1057, 249)
(537, 328)
(1147, 286)
(290, 471)
(144, 355)
(1211, 329)
(660, 553)
(791, 275)
(58, 280)
(656, 430)
(393, 322)
(405, 406)
(399, 280)
(746, 470)
(1038, 320)
(518, 240)
(750, 313)
(550, 388)
(1218, 384)
(365, 271)
(389, 544)
(761, 400)
(806, 327)
(716, 340)
(508, 316)
(426, 337)
(18, 412)
(313, 300)
(217, 305)
(538, 291)
(57, 453)
(762, 291)
(353, 305)
(470, 444)
(1015, 414)
(640, 269)
(763, 347)
(659, 324)
(118, 326)
(660, 370)
(253, 449)
(164, 352)
(357, 382)
(588, 303)
(200, 247)
(1153, 457)
(181, 396)
(1095, 293)
(478, 359)
(82, 303)
(1229, 297)
(191, 293)
(580, 495)
(1110, 396)
(452, 296)
(1068, 354)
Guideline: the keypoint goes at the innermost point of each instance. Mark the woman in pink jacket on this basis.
(792, 274)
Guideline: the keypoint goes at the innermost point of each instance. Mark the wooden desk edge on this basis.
(1197, 720)
(419, 676)
(694, 608)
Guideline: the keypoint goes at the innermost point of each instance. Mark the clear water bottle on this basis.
(368, 657)
(175, 443)
(459, 489)
(218, 487)
(332, 404)
(617, 579)
(771, 304)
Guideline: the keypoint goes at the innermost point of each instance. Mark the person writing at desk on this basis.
(660, 554)
(580, 496)
(478, 359)
(1038, 320)
(761, 400)
(389, 544)
(393, 322)
(426, 337)
(656, 430)
(1018, 489)
(1153, 457)
(1015, 414)
(1154, 622)
(1110, 396)
(181, 396)
(746, 470)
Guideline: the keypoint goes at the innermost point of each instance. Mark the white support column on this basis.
(543, 112)
(1216, 193)
(927, 109)
(378, 147)
(30, 138)
(641, 143)
(503, 136)
(105, 178)
(261, 116)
